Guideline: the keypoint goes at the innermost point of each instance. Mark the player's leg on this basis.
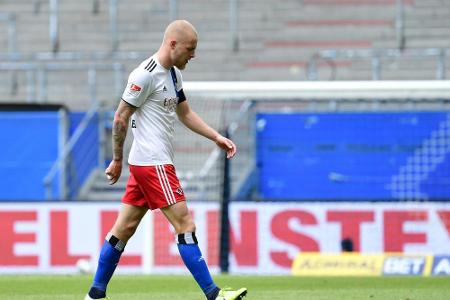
(169, 197)
(133, 209)
(181, 219)
(183, 223)
(124, 227)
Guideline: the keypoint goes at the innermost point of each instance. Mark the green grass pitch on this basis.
(260, 287)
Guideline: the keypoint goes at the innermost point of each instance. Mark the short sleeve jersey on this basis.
(156, 92)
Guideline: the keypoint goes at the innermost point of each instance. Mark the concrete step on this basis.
(428, 42)
(425, 33)
(428, 12)
(350, 12)
(352, 3)
(427, 23)
(400, 63)
(332, 33)
(272, 45)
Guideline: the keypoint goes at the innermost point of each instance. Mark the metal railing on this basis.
(376, 57)
(173, 10)
(37, 76)
(400, 24)
(114, 24)
(234, 25)
(54, 24)
(173, 13)
(36, 85)
(67, 190)
(54, 21)
(113, 11)
(38, 3)
(95, 6)
(10, 18)
(72, 56)
(37, 6)
(215, 155)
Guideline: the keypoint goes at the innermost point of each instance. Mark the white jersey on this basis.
(151, 88)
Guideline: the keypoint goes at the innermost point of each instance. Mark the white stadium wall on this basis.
(266, 237)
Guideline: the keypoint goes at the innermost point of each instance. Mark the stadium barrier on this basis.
(32, 155)
(362, 156)
(265, 238)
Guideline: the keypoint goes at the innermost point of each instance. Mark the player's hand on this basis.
(227, 145)
(113, 171)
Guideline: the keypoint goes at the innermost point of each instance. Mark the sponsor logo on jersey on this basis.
(170, 103)
(133, 90)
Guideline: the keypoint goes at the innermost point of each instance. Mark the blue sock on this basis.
(194, 261)
(109, 258)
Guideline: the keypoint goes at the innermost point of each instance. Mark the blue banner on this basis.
(29, 150)
(354, 156)
(31, 147)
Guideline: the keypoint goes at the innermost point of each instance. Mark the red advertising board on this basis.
(265, 237)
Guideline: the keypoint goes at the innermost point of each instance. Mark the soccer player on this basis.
(152, 98)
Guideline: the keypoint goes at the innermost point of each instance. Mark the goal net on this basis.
(361, 140)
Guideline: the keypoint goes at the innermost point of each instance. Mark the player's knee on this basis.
(185, 224)
(125, 230)
(130, 228)
(188, 223)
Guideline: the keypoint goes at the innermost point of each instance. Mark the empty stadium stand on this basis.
(277, 40)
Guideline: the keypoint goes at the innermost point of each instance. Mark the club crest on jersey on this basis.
(179, 190)
(133, 89)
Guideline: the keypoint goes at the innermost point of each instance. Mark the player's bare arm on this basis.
(193, 121)
(119, 132)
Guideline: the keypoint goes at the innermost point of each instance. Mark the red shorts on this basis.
(153, 187)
